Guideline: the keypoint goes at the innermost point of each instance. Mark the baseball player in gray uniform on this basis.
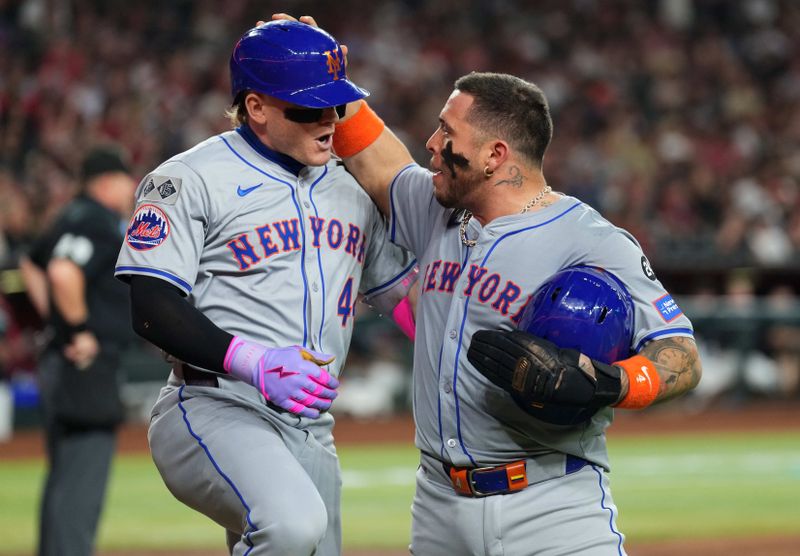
(245, 257)
(488, 230)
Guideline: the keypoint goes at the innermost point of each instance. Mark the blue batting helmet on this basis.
(583, 308)
(294, 62)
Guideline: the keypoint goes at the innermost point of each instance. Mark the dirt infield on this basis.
(768, 417)
(772, 416)
(786, 546)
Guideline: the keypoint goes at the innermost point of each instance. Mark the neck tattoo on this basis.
(462, 229)
(515, 178)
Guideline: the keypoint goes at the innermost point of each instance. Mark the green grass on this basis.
(376, 501)
(707, 485)
(667, 487)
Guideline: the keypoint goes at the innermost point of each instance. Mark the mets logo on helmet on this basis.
(148, 229)
(334, 62)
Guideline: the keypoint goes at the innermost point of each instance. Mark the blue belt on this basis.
(503, 479)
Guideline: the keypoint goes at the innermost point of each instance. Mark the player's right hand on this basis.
(289, 377)
(307, 19)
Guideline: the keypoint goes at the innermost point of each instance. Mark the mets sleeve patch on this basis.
(667, 307)
(149, 228)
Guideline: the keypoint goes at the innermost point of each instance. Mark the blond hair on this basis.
(237, 113)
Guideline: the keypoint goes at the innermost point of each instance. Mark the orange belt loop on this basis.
(458, 476)
(517, 476)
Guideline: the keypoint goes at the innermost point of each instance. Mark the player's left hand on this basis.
(536, 371)
(290, 377)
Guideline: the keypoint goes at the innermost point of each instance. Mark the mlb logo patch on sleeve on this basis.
(161, 189)
(667, 307)
(148, 229)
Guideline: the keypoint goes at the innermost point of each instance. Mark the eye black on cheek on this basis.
(452, 159)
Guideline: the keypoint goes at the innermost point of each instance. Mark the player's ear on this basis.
(497, 152)
(256, 108)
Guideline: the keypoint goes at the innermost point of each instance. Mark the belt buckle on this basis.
(476, 492)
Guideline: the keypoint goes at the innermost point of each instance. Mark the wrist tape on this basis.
(358, 132)
(73, 329)
(643, 382)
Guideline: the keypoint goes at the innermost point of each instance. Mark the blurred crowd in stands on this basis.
(678, 119)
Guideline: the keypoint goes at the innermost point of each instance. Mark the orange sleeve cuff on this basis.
(358, 132)
(643, 382)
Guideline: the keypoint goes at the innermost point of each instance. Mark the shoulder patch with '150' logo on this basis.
(161, 189)
(148, 229)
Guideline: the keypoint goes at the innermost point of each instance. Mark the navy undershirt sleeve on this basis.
(161, 315)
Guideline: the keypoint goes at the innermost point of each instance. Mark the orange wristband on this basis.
(358, 132)
(643, 382)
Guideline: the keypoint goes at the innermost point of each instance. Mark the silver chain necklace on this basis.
(462, 230)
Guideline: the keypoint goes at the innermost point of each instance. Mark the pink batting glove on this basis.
(289, 377)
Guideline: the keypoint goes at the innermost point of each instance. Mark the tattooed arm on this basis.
(678, 365)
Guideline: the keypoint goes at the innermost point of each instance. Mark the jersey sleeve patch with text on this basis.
(667, 308)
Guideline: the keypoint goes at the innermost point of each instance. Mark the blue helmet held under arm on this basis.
(294, 62)
(583, 308)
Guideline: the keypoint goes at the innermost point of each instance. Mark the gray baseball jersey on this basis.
(461, 417)
(264, 254)
(277, 253)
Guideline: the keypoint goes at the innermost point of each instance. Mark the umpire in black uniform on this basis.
(70, 278)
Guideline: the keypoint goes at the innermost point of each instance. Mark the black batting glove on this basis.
(536, 371)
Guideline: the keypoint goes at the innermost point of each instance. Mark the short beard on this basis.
(459, 173)
(461, 187)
